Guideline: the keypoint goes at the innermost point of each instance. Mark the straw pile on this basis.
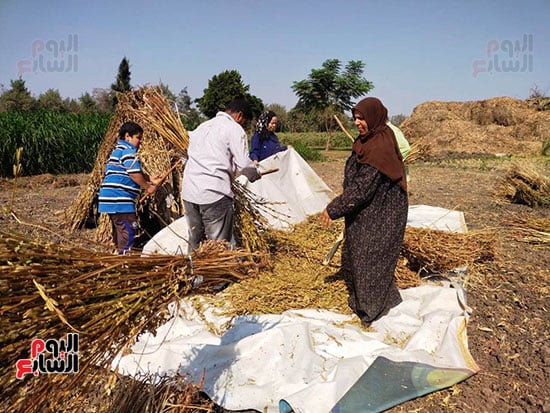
(164, 139)
(522, 184)
(433, 251)
(296, 280)
(531, 230)
(48, 290)
(498, 125)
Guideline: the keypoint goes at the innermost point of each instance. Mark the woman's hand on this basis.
(325, 219)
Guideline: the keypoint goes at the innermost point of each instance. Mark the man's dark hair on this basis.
(240, 105)
(131, 128)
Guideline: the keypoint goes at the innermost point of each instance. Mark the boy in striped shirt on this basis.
(121, 186)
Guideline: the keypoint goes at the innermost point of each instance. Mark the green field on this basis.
(63, 143)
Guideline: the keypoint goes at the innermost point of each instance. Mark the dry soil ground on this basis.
(508, 332)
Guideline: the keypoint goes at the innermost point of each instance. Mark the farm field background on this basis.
(508, 332)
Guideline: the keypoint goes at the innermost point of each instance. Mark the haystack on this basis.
(493, 126)
(164, 141)
(429, 251)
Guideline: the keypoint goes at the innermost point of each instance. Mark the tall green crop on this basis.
(52, 142)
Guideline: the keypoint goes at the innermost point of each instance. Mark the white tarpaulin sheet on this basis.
(425, 216)
(292, 193)
(307, 360)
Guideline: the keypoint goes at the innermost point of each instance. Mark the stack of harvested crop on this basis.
(49, 290)
(433, 251)
(157, 153)
(531, 230)
(524, 185)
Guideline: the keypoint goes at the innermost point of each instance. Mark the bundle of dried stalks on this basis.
(249, 223)
(164, 140)
(47, 291)
(434, 251)
(532, 230)
(524, 185)
(167, 394)
(419, 151)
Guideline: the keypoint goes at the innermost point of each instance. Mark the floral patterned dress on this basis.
(375, 211)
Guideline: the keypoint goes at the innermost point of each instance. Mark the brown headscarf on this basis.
(379, 147)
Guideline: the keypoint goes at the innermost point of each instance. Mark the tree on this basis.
(87, 103)
(222, 89)
(102, 98)
(256, 105)
(17, 98)
(330, 91)
(51, 100)
(122, 83)
(190, 116)
(398, 119)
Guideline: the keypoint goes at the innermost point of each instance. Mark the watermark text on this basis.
(51, 56)
(506, 56)
(50, 356)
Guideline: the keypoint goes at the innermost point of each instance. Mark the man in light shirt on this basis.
(218, 149)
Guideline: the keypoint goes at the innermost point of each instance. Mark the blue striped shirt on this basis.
(118, 191)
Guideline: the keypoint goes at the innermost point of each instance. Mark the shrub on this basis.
(308, 153)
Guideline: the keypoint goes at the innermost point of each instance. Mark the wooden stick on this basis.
(162, 178)
(344, 129)
(334, 248)
(269, 171)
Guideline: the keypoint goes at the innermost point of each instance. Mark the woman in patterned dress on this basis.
(374, 203)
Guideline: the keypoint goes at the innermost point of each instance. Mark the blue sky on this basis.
(414, 51)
